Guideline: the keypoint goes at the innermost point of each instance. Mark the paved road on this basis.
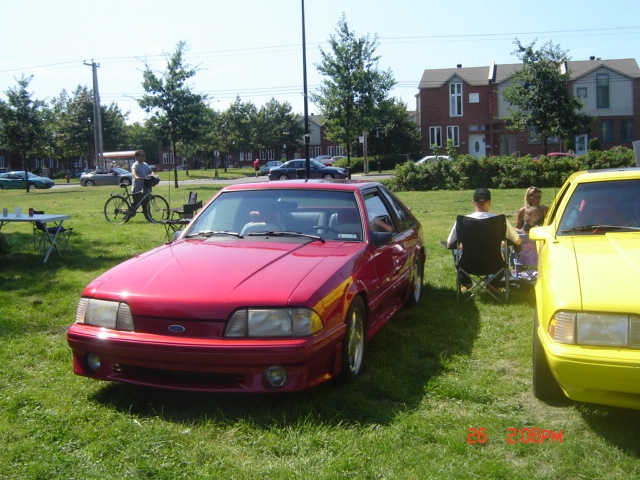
(225, 181)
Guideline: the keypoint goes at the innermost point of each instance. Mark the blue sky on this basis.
(253, 48)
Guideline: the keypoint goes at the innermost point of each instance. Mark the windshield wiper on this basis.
(211, 233)
(288, 234)
(597, 229)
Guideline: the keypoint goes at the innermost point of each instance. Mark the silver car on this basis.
(115, 176)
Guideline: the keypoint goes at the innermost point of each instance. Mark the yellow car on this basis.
(586, 336)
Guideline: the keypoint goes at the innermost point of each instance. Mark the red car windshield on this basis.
(290, 210)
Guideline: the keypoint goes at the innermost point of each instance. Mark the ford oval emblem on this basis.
(176, 328)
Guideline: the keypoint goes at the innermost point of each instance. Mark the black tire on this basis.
(353, 344)
(158, 209)
(89, 183)
(116, 209)
(327, 176)
(545, 385)
(283, 176)
(416, 283)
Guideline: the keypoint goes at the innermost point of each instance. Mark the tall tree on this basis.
(21, 123)
(278, 128)
(176, 110)
(238, 124)
(353, 87)
(539, 91)
(74, 124)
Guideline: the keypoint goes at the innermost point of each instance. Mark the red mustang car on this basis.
(272, 287)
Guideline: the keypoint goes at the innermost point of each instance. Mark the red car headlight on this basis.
(104, 313)
(273, 322)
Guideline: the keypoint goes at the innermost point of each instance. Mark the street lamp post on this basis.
(306, 100)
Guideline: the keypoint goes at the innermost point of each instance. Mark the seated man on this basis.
(481, 206)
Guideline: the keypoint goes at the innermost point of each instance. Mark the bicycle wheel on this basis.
(116, 209)
(158, 209)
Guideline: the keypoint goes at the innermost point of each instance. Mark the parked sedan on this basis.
(432, 158)
(273, 286)
(264, 170)
(586, 336)
(16, 180)
(115, 176)
(553, 155)
(296, 169)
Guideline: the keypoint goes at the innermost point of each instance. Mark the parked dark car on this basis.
(264, 170)
(197, 313)
(115, 176)
(296, 169)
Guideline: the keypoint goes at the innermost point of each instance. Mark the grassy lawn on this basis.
(443, 384)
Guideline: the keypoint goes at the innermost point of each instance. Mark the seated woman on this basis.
(533, 213)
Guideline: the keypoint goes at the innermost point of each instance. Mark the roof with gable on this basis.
(478, 76)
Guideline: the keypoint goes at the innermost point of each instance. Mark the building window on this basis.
(2, 162)
(453, 133)
(533, 134)
(608, 131)
(626, 130)
(455, 99)
(602, 90)
(581, 92)
(435, 136)
(474, 98)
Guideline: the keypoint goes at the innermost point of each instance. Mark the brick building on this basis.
(467, 106)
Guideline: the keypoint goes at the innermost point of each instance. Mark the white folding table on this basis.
(54, 218)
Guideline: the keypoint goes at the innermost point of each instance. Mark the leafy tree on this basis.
(22, 123)
(73, 124)
(238, 127)
(354, 88)
(278, 128)
(394, 131)
(142, 137)
(176, 110)
(539, 91)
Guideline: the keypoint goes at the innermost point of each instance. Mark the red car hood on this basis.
(198, 279)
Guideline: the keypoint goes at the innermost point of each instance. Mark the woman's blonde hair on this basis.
(530, 191)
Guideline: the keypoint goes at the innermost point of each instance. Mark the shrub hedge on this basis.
(467, 172)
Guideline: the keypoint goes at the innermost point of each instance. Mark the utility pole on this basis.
(97, 117)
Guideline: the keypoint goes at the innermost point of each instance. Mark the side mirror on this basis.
(381, 238)
(541, 233)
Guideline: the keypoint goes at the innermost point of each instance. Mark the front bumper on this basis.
(601, 375)
(204, 365)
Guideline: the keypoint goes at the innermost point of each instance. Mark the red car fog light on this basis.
(93, 362)
(276, 376)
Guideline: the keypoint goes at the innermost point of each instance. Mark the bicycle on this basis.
(120, 208)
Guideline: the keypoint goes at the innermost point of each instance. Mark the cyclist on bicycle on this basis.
(141, 170)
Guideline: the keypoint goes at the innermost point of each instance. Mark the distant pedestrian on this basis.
(256, 166)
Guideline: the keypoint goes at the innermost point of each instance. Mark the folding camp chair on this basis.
(179, 211)
(180, 218)
(479, 258)
(525, 262)
(43, 235)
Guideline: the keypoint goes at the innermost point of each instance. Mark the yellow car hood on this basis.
(608, 270)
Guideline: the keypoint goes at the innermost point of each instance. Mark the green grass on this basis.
(434, 372)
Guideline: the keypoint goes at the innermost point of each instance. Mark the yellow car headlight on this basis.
(273, 322)
(597, 329)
